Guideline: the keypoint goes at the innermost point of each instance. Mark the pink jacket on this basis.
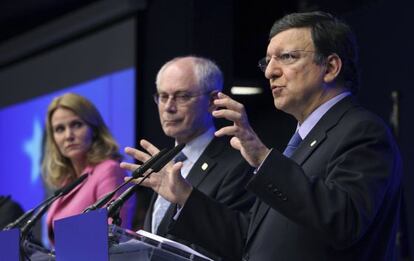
(103, 178)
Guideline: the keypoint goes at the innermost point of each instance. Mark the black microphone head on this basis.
(148, 164)
(157, 163)
(66, 189)
(167, 157)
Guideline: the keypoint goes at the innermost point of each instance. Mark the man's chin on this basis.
(277, 104)
(171, 132)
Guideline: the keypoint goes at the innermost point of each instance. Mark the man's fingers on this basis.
(137, 154)
(228, 130)
(235, 143)
(176, 169)
(227, 102)
(149, 147)
(128, 179)
(227, 114)
(140, 155)
(129, 166)
(145, 183)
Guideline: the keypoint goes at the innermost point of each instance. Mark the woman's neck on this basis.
(78, 166)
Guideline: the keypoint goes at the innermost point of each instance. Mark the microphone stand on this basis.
(18, 222)
(137, 172)
(39, 211)
(114, 207)
(44, 207)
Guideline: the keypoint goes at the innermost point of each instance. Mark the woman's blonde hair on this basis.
(55, 167)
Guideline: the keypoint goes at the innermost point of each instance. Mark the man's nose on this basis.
(171, 104)
(273, 69)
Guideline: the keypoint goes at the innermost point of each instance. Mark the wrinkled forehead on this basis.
(291, 39)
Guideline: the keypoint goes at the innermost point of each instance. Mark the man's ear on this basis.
(333, 68)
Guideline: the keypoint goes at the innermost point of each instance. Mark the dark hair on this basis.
(329, 35)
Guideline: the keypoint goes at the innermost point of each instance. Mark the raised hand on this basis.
(244, 138)
(139, 155)
(168, 182)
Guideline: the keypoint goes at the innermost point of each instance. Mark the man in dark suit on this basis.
(334, 193)
(186, 88)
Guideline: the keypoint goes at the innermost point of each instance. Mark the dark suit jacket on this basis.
(336, 198)
(223, 180)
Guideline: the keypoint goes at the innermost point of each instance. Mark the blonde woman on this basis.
(78, 142)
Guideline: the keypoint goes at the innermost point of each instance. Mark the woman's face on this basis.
(71, 134)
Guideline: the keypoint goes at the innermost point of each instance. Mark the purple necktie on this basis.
(292, 145)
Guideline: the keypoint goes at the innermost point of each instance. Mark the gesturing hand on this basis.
(168, 182)
(244, 138)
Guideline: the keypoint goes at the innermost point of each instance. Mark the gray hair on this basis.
(208, 75)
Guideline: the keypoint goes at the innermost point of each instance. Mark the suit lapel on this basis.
(319, 133)
(312, 141)
(201, 168)
(148, 214)
(308, 146)
(206, 162)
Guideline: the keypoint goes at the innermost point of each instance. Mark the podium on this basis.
(88, 236)
(12, 249)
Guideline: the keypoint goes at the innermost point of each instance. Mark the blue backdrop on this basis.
(22, 127)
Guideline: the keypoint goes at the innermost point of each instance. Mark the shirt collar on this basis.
(317, 114)
(194, 148)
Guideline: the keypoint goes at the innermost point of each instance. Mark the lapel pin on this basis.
(313, 143)
(204, 166)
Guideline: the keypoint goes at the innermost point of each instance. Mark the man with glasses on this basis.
(186, 89)
(334, 193)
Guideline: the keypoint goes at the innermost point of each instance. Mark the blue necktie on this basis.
(180, 157)
(292, 145)
(161, 205)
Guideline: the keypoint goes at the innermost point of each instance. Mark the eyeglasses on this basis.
(179, 98)
(284, 58)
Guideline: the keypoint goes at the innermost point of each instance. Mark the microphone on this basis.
(58, 193)
(42, 208)
(147, 164)
(167, 158)
(114, 207)
(66, 189)
(137, 172)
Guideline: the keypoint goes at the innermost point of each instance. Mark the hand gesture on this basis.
(168, 182)
(244, 138)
